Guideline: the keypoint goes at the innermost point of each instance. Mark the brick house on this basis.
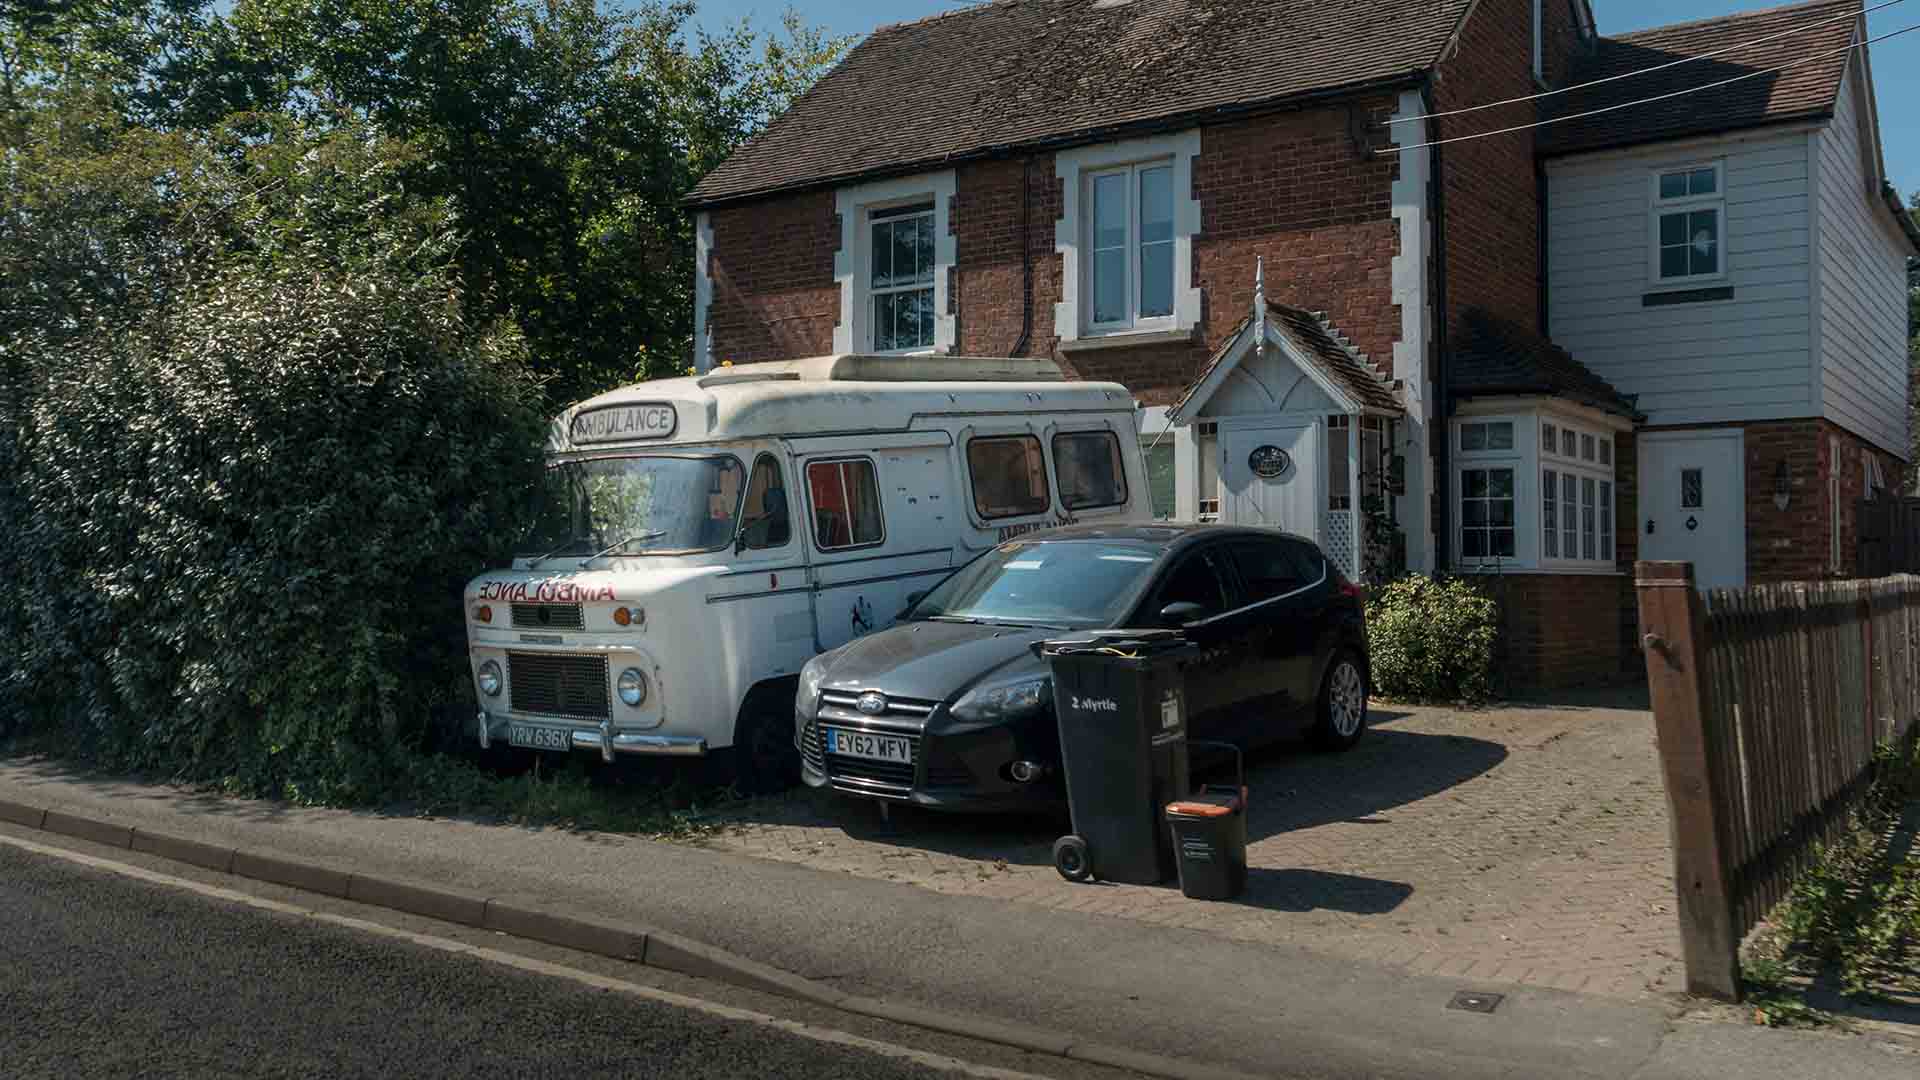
(1250, 214)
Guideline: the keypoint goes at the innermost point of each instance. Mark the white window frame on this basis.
(1072, 316)
(855, 206)
(1132, 252)
(1530, 460)
(1659, 207)
(892, 215)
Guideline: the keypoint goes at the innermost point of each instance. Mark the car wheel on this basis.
(764, 757)
(1071, 858)
(1342, 707)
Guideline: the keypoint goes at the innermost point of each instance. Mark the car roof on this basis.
(1173, 534)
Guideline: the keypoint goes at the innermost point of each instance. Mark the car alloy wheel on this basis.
(1347, 699)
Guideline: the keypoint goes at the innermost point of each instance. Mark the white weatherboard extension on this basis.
(713, 533)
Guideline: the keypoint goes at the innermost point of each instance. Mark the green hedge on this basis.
(240, 520)
(1432, 639)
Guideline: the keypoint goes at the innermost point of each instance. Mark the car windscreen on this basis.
(1066, 583)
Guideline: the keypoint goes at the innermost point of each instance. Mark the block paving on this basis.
(1521, 844)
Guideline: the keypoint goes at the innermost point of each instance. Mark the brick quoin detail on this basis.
(1796, 544)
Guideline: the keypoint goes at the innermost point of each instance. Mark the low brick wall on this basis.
(1562, 630)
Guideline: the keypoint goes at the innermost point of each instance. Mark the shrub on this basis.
(240, 519)
(1432, 639)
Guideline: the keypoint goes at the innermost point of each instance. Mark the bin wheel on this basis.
(1070, 857)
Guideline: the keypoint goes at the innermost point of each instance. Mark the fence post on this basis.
(1673, 621)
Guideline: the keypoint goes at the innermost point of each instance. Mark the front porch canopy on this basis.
(1284, 369)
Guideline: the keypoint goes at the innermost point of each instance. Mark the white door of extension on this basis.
(1272, 475)
(1693, 501)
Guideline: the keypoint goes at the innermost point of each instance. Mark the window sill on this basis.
(1686, 296)
(1127, 339)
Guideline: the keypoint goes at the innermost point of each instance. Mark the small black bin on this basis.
(1209, 834)
(1120, 699)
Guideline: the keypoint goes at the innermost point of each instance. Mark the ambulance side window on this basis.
(766, 520)
(1009, 476)
(1089, 469)
(845, 500)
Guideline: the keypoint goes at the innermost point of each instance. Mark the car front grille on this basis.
(558, 684)
(548, 617)
(810, 747)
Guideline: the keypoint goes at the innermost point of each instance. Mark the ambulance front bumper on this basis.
(600, 737)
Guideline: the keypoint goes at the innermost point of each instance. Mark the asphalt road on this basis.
(103, 976)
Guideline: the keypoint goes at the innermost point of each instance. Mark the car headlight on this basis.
(1004, 701)
(632, 687)
(490, 679)
(812, 677)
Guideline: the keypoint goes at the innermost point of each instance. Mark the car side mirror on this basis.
(1182, 612)
(913, 601)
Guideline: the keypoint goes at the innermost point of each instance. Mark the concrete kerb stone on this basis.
(668, 952)
(416, 899)
(85, 828)
(567, 931)
(33, 817)
(288, 872)
(192, 852)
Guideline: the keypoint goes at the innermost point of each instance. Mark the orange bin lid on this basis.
(1203, 809)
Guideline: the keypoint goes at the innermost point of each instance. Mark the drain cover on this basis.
(1468, 1001)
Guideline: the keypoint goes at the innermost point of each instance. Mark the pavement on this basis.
(1525, 844)
(1207, 1000)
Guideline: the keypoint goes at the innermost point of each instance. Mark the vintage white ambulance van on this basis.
(703, 537)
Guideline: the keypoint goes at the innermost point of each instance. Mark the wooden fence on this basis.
(1768, 702)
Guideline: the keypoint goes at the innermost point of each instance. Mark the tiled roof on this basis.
(1313, 337)
(1806, 91)
(1497, 358)
(1020, 72)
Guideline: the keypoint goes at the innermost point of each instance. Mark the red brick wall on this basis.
(1790, 544)
(1556, 629)
(774, 297)
(988, 288)
(1560, 42)
(1492, 209)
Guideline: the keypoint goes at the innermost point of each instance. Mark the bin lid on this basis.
(1206, 804)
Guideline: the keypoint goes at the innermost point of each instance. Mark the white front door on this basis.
(1693, 503)
(1272, 476)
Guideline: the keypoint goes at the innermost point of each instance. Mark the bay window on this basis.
(1527, 502)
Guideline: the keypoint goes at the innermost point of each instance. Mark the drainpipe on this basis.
(1026, 258)
(1442, 401)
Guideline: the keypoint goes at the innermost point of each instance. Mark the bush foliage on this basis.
(242, 511)
(1432, 639)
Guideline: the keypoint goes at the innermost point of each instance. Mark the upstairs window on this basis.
(900, 282)
(1689, 224)
(1130, 245)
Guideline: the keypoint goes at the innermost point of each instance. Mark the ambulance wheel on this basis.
(1070, 857)
(764, 757)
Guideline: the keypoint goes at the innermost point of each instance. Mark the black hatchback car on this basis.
(952, 709)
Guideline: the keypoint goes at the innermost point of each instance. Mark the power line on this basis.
(1649, 100)
(1801, 29)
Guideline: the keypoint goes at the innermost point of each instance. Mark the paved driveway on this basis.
(1522, 844)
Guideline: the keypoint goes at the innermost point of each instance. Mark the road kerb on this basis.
(192, 852)
(567, 931)
(669, 952)
(33, 817)
(416, 899)
(291, 873)
(86, 828)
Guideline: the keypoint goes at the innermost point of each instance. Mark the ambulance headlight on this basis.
(632, 687)
(490, 679)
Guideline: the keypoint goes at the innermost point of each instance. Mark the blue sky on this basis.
(1896, 63)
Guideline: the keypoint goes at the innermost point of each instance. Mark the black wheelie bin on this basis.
(1120, 700)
